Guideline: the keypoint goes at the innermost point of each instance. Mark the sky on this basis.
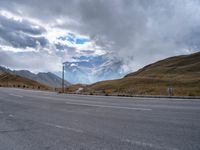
(39, 35)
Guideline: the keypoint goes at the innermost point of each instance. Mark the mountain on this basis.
(3, 70)
(92, 69)
(12, 80)
(180, 73)
(178, 65)
(49, 79)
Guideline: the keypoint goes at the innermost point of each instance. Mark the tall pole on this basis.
(63, 78)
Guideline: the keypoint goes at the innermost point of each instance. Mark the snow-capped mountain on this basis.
(92, 69)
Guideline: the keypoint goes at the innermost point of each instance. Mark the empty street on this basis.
(36, 120)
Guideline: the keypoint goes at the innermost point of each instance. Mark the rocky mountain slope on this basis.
(12, 80)
(49, 79)
(92, 69)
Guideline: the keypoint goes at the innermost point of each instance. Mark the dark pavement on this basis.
(35, 120)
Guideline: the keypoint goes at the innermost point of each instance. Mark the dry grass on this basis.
(71, 88)
(181, 72)
(146, 86)
(11, 80)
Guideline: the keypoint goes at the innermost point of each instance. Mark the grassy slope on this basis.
(72, 88)
(11, 80)
(180, 72)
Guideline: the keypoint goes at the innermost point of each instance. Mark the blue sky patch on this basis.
(70, 37)
(82, 40)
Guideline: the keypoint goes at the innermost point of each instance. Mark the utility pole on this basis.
(63, 78)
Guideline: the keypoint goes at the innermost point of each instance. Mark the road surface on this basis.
(35, 120)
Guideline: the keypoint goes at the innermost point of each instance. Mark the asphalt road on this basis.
(34, 120)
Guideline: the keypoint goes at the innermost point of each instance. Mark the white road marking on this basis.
(16, 95)
(106, 106)
(82, 102)
(58, 126)
(11, 115)
(108, 103)
(67, 100)
(63, 127)
(150, 145)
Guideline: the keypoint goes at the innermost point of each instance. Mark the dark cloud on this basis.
(136, 31)
(21, 33)
(62, 47)
(10, 24)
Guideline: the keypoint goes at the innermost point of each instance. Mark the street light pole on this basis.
(63, 78)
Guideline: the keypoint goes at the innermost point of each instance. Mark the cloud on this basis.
(34, 61)
(72, 38)
(21, 33)
(137, 32)
(88, 52)
(77, 45)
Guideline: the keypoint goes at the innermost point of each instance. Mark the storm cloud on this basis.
(21, 33)
(137, 32)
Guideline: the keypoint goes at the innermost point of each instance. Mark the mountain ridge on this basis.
(12, 80)
(181, 73)
(86, 70)
(175, 64)
(46, 78)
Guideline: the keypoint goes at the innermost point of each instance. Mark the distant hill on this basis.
(178, 65)
(182, 73)
(12, 80)
(49, 79)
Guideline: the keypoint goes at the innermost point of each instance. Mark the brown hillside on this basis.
(11, 80)
(182, 73)
(186, 64)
